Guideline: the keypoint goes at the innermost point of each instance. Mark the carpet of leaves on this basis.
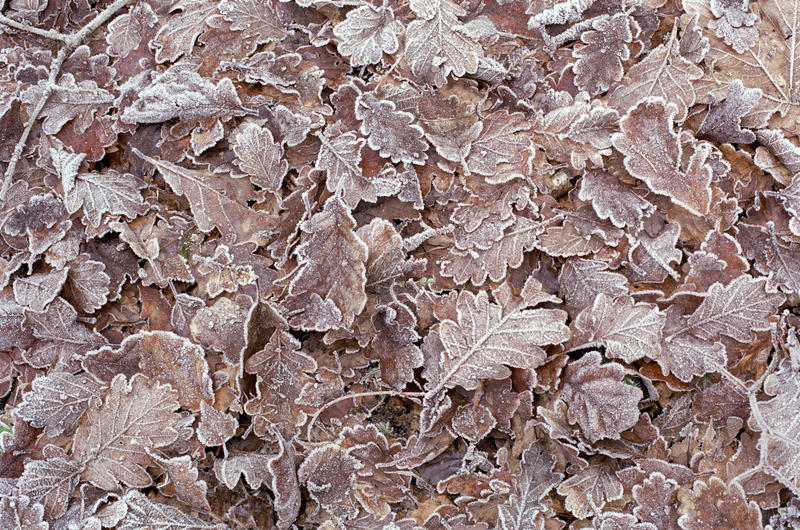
(514, 264)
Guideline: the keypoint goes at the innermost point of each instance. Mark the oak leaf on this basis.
(653, 154)
(136, 415)
(367, 33)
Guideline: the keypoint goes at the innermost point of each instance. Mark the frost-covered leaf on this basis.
(125, 32)
(714, 505)
(535, 480)
(501, 140)
(597, 398)
(437, 43)
(664, 73)
(178, 35)
(367, 33)
(735, 310)
(38, 290)
(212, 204)
(260, 157)
(110, 444)
(623, 205)
(71, 100)
(628, 330)
(182, 93)
(62, 339)
(58, 401)
(581, 280)
(183, 482)
(332, 259)
(259, 21)
(88, 284)
(221, 273)
(389, 131)
(109, 192)
(340, 156)
(144, 513)
(778, 258)
(589, 489)
(653, 154)
(50, 482)
(216, 427)
(599, 63)
(484, 339)
(723, 123)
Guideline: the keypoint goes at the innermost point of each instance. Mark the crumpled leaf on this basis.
(137, 414)
(181, 93)
(142, 512)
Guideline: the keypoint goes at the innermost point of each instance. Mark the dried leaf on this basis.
(391, 132)
(653, 154)
(143, 512)
(332, 260)
(102, 193)
(367, 33)
(628, 330)
(136, 415)
(58, 401)
(598, 400)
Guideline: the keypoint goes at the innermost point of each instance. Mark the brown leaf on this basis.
(367, 33)
(581, 280)
(653, 154)
(628, 330)
(613, 200)
(332, 260)
(36, 291)
(108, 192)
(143, 512)
(588, 490)
(598, 400)
(62, 339)
(214, 203)
(162, 356)
(723, 123)
(535, 480)
(216, 427)
(87, 283)
(389, 131)
(260, 157)
(599, 63)
(714, 505)
(182, 481)
(136, 415)
(58, 401)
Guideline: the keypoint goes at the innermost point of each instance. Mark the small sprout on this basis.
(384, 428)
(426, 281)
(632, 380)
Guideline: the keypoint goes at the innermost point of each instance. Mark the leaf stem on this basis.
(71, 42)
(354, 396)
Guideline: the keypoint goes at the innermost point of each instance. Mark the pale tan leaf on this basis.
(58, 401)
(38, 290)
(588, 490)
(367, 33)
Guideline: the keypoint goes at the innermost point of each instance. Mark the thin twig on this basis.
(46, 33)
(71, 42)
(353, 396)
